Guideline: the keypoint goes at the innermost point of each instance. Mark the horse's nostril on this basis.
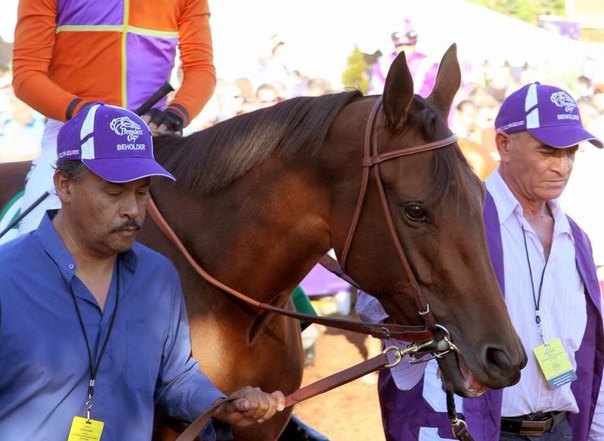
(498, 358)
(504, 366)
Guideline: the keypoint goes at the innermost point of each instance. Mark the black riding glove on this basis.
(168, 118)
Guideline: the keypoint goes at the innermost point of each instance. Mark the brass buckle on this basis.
(535, 428)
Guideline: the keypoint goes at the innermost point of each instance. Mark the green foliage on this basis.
(526, 10)
(355, 76)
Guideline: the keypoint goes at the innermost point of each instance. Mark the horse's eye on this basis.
(415, 212)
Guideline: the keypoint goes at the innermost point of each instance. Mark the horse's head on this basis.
(434, 202)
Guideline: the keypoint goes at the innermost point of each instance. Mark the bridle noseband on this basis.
(372, 160)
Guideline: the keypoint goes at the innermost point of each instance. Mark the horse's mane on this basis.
(213, 158)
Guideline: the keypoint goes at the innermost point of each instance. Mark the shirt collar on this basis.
(55, 248)
(505, 201)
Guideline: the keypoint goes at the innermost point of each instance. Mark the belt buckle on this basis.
(535, 428)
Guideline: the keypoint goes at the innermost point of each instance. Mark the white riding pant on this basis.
(40, 180)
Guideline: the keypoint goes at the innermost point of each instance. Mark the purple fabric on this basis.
(493, 232)
(422, 70)
(114, 143)
(404, 412)
(151, 58)
(548, 113)
(320, 281)
(90, 12)
(591, 352)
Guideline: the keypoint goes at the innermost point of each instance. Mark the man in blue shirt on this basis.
(93, 324)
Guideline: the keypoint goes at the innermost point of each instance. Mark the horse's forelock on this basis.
(449, 163)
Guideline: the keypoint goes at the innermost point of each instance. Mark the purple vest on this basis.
(404, 413)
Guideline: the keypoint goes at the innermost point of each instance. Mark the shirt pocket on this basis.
(144, 354)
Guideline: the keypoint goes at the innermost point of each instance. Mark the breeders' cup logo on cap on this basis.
(125, 126)
(563, 99)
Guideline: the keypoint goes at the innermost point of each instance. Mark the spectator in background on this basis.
(465, 124)
(465, 121)
(21, 133)
(247, 92)
(278, 67)
(584, 88)
(229, 98)
(317, 87)
(422, 68)
(67, 54)
(267, 95)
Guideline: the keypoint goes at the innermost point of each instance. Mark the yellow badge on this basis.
(554, 363)
(85, 430)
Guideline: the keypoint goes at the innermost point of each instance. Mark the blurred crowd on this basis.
(483, 89)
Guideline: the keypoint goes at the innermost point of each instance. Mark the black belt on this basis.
(534, 424)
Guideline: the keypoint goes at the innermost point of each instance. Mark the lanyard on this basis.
(536, 296)
(94, 366)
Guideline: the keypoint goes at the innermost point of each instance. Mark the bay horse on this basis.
(261, 197)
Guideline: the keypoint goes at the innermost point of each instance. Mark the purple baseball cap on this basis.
(548, 113)
(114, 143)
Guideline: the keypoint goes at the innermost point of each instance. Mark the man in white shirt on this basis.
(544, 265)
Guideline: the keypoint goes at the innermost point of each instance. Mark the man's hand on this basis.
(163, 121)
(250, 405)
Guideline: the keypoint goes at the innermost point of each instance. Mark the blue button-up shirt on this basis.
(44, 367)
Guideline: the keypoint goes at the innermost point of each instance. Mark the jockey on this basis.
(67, 54)
(422, 69)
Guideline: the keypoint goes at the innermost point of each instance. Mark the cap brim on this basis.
(126, 169)
(564, 137)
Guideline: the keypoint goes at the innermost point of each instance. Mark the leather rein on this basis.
(423, 336)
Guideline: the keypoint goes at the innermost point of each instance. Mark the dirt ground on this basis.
(350, 412)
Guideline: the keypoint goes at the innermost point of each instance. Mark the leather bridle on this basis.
(371, 158)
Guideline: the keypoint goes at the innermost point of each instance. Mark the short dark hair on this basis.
(74, 169)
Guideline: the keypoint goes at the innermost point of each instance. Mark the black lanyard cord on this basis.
(93, 367)
(536, 296)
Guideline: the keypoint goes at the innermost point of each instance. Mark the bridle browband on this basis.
(371, 158)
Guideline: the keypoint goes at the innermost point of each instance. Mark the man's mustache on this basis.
(130, 224)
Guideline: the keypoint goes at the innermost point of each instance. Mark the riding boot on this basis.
(297, 430)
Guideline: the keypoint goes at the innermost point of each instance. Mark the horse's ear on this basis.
(398, 92)
(448, 81)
